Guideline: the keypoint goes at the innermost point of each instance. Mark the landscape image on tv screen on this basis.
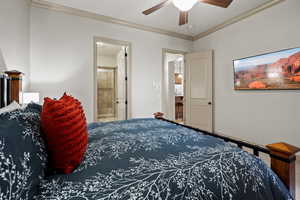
(278, 70)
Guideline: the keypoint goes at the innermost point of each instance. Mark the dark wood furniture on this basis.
(4, 90)
(283, 155)
(284, 168)
(10, 87)
(179, 108)
(16, 85)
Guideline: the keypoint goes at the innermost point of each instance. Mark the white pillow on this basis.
(11, 107)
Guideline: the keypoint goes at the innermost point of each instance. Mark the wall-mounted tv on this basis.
(273, 71)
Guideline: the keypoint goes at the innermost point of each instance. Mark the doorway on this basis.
(173, 85)
(111, 80)
(187, 88)
(107, 92)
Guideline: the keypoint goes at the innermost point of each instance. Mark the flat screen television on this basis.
(272, 71)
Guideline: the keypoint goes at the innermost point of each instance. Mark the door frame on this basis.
(129, 71)
(172, 51)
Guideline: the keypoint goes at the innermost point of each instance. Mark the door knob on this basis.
(209, 103)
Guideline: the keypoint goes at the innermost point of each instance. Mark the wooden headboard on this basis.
(5, 90)
(10, 88)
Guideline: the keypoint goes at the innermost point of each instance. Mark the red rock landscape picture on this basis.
(279, 70)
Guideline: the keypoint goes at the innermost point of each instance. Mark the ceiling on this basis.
(202, 16)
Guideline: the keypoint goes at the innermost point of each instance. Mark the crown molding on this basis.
(82, 13)
(238, 18)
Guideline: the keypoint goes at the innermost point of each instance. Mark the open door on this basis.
(121, 100)
(171, 90)
(199, 78)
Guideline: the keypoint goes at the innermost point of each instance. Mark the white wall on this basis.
(259, 116)
(107, 61)
(62, 58)
(14, 35)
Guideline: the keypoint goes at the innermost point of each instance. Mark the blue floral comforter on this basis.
(150, 159)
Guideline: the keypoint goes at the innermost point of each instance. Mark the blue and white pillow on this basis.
(22, 153)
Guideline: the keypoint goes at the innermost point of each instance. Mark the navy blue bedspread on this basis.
(152, 159)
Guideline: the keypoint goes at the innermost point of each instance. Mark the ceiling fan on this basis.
(185, 5)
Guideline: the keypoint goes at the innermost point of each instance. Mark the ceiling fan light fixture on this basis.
(184, 5)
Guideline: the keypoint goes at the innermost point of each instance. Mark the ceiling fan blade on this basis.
(155, 8)
(220, 3)
(184, 18)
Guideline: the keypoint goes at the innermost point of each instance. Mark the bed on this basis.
(155, 159)
(142, 159)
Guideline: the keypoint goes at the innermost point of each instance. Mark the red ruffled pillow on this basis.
(65, 131)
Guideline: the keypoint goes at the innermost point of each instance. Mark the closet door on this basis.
(199, 79)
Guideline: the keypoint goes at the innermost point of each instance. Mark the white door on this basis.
(171, 91)
(199, 78)
(121, 86)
